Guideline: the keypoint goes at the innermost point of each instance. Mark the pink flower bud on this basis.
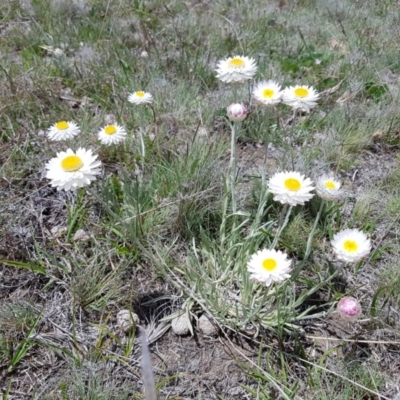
(237, 112)
(349, 308)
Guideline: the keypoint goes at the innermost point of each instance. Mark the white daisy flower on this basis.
(236, 112)
(329, 188)
(140, 97)
(300, 97)
(351, 245)
(112, 134)
(268, 93)
(63, 130)
(236, 69)
(268, 266)
(71, 171)
(290, 188)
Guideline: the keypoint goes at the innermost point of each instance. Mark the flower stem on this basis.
(142, 148)
(154, 115)
(156, 139)
(311, 236)
(232, 166)
(266, 140)
(309, 242)
(282, 225)
(234, 86)
(142, 120)
(291, 137)
(230, 186)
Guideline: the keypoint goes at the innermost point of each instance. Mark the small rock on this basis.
(58, 52)
(250, 330)
(81, 235)
(206, 327)
(377, 135)
(58, 230)
(127, 320)
(180, 325)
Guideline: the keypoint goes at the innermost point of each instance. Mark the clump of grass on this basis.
(355, 381)
(16, 318)
(177, 196)
(5, 349)
(16, 321)
(387, 292)
(89, 276)
(296, 235)
(81, 383)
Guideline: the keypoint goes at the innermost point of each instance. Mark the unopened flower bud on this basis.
(349, 308)
(237, 112)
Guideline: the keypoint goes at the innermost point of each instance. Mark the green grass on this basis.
(161, 220)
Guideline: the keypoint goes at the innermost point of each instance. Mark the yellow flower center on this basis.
(269, 264)
(350, 246)
(71, 163)
(330, 185)
(62, 125)
(292, 184)
(301, 92)
(140, 94)
(268, 93)
(110, 129)
(236, 63)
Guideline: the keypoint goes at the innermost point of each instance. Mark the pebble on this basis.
(180, 325)
(58, 230)
(206, 327)
(81, 235)
(127, 320)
